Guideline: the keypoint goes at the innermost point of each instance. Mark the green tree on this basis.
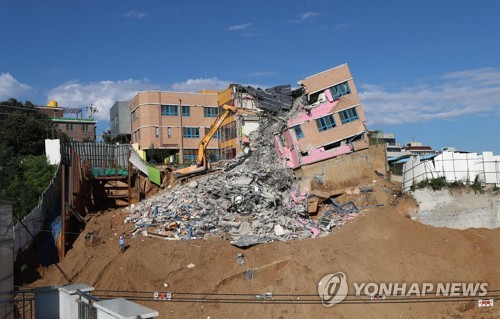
(23, 129)
(32, 178)
(106, 137)
(24, 168)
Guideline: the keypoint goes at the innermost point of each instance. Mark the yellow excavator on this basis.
(202, 164)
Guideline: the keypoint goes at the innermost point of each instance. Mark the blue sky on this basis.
(426, 71)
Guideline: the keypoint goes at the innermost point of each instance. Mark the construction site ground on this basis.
(382, 244)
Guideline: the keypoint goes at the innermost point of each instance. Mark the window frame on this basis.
(209, 111)
(340, 90)
(297, 135)
(194, 132)
(348, 115)
(322, 124)
(169, 110)
(188, 108)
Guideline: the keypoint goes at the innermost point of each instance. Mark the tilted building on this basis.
(328, 120)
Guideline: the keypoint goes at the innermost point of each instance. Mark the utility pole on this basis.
(92, 109)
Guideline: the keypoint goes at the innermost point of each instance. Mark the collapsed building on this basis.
(324, 119)
(255, 197)
(328, 120)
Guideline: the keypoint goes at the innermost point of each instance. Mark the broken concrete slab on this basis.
(278, 230)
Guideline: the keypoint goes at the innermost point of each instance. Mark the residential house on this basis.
(76, 127)
(416, 148)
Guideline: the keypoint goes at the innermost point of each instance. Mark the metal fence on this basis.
(21, 304)
(97, 154)
(86, 309)
(453, 167)
(49, 206)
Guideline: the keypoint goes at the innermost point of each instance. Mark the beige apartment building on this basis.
(174, 122)
(329, 121)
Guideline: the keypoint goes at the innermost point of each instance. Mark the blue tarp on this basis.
(55, 227)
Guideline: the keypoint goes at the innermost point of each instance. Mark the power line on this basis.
(272, 300)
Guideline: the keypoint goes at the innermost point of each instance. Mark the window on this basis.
(325, 123)
(190, 155)
(135, 115)
(210, 111)
(157, 131)
(70, 127)
(186, 111)
(340, 90)
(169, 132)
(216, 135)
(169, 110)
(228, 132)
(85, 128)
(298, 132)
(348, 115)
(191, 132)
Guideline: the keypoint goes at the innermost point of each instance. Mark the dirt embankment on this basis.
(457, 208)
(381, 245)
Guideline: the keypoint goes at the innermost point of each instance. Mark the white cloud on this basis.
(239, 27)
(135, 14)
(196, 85)
(101, 94)
(11, 88)
(305, 16)
(452, 95)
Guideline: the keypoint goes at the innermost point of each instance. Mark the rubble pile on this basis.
(251, 201)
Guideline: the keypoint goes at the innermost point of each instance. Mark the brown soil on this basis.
(381, 245)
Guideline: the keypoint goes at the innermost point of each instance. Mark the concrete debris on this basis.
(248, 274)
(337, 215)
(240, 258)
(251, 201)
(278, 230)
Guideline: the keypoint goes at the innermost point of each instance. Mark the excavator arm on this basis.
(201, 160)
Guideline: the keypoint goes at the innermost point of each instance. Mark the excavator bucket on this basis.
(190, 170)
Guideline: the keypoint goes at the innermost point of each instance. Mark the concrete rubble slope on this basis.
(253, 200)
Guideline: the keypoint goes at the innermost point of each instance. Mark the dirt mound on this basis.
(380, 245)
